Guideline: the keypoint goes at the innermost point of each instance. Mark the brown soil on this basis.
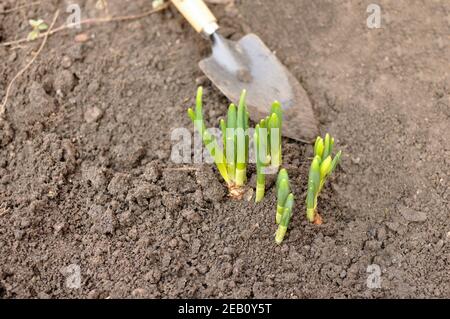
(85, 176)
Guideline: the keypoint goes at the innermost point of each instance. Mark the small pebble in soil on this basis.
(381, 233)
(59, 228)
(64, 82)
(249, 194)
(66, 62)
(93, 114)
(81, 38)
(173, 243)
(412, 215)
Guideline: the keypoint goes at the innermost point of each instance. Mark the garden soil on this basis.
(87, 186)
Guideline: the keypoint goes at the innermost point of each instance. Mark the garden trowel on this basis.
(249, 64)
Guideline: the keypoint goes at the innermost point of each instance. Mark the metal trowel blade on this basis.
(249, 64)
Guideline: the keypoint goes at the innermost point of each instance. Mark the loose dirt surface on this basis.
(86, 178)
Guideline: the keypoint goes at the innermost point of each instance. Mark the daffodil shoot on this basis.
(283, 191)
(267, 140)
(322, 166)
(231, 159)
(285, 219)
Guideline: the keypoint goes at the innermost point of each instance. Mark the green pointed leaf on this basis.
(318, 147)
(282, 192)
(191, 114)
(242, 98)
(231, 116)
(263, 123)
(273, 121)
(335, 161)
(199, 104)
(282, 174)
(314, 173)
(241, 111)
(326, 150)
(276, 108)
(287, 213)
(325, 167)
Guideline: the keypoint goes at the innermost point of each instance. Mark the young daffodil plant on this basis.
(321, 168)
(231, 160)
(267, 139)
(235, 143)
(285, 202)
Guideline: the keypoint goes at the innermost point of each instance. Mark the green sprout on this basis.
(283, 191)
(285, 219)
(321, 168)
(210, 142)
(267, 138)
(38, 26)
(231, 160)
(235, 143)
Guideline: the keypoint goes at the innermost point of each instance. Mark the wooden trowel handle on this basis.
(198, 15)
